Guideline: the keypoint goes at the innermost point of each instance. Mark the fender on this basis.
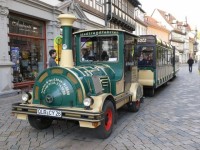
(99, 101)
(136, 90)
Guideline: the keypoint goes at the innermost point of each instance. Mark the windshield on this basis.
(101, 48)
(145, 55)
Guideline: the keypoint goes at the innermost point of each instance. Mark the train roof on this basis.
(158, 40)
(104, 29)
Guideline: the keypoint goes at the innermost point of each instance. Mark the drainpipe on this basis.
(67, 21)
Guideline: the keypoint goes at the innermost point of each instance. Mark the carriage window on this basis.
(165, 56)
(159, 56)
(177, 58)
(145, 57)
(170, 58)
(101, 48)
(130, 56)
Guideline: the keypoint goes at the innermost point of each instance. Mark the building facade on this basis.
(27, 29)
(141, 26)
(178, 35)
(155, 28)
(119, 14)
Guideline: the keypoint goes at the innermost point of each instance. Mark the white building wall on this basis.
(156, 15)
(92, 18)
(5, 63)
(139, 28)
(184, 47)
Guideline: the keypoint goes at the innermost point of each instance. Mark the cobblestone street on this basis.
(168, 121)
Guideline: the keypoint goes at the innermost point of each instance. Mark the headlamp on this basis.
(88, 101)
(25, 97)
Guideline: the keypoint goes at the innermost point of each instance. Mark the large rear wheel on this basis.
(105, 129)
(39, 122)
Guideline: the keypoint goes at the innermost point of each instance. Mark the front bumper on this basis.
(78, 114)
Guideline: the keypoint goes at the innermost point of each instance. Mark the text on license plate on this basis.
(48, 112)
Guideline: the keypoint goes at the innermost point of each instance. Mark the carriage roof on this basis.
(158, 41)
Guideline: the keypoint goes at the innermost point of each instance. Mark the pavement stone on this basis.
(168, 121)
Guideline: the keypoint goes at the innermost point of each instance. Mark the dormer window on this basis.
(167, 15)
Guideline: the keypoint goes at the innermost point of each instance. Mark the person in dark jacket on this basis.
(190, 63)
(104, 56)
(53, 54)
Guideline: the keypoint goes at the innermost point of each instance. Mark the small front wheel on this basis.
(105, 129)
(39, 122)
(151, 92)
(133, 106)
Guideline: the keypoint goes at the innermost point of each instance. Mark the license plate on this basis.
(48, 112)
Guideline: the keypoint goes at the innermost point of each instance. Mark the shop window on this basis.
(27, 47)
(28, 58)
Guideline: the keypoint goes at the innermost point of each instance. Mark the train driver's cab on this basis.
(145, 56)
(99, 49)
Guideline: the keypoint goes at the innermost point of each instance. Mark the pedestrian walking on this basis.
(53, 54)
(190, 63)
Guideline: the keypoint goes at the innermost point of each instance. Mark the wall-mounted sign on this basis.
(58, 40)
(22, 25)
(25, 26)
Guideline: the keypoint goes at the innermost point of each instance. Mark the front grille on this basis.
(104, 81)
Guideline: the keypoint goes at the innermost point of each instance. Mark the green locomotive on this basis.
(103, 79)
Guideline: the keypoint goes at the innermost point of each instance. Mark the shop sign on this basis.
(21, 25)
(58, 47)
(58, 40)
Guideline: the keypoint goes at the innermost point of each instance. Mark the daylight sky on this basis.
(180, 9)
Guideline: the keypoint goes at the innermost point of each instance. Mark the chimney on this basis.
(67, 21)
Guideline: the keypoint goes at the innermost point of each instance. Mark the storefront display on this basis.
(26, 47)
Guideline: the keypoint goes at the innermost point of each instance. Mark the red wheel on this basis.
(108, 119)
(105, 129)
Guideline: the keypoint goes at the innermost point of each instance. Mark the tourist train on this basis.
(110, 69)
(90, 89)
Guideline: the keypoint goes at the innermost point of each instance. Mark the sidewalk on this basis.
(9, 93)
